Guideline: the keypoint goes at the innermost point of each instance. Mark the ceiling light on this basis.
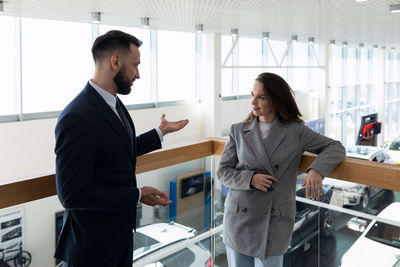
(265, 35)
(360, 1)
(311, 40)
(345, 43)
(361, 44)
(394, 8)
(332, 42)
(234, 32)
(199, 27)
(376, 46)
(96, 17)
(392, 48)
(145, 22)
(384, 47)
(294, 37)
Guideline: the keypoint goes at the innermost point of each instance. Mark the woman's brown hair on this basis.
(281, 97)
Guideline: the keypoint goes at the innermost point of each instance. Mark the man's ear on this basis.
(115, 62)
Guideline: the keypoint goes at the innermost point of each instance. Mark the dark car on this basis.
(309, 221)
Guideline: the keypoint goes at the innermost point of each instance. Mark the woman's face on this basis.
(260, 103)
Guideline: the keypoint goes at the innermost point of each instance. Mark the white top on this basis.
(264, 129)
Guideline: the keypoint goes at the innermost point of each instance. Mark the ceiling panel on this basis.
(342, 20)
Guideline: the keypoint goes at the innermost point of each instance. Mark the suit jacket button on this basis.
(272, 210)
(244, 209)
(276, 166)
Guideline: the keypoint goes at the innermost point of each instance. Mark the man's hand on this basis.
(262, 182)
(313, 183)
(167, 127)
(152, 197)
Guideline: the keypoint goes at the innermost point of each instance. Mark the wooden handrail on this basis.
(353, 170)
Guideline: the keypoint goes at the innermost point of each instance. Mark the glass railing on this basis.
(348, 225)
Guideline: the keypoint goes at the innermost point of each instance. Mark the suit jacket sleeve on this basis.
(227, 173)
(147, 142)
(76, 170)
(330, 152)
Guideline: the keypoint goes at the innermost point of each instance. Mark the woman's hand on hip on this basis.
(313, 183)
(262, 182)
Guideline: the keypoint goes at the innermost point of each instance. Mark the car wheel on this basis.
(365, 200)
(326, 224)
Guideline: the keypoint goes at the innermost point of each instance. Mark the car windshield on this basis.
(385, 233)
(395, 146)
(143, 243)
(184, 257)
(359, 150)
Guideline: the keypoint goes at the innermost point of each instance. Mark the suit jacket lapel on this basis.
(253, 137)
(275, 137)
(110, 116)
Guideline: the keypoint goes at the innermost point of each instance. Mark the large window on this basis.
(8, 66)
(350, 90)
(250, 54)
(56, 63)
(176, 70)
(392, 94)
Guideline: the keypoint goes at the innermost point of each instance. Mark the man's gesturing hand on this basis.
(167, 127)
(152, 196)
(262, 182)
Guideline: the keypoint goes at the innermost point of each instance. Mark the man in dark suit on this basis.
(96, 148)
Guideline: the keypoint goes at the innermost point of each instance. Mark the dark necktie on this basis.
(124, 120)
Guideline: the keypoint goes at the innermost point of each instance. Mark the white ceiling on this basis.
(342, 20)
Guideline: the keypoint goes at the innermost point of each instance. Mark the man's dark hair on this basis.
(112, 41)
(281, 97)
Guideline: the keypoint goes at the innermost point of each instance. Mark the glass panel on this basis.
(336, 125)
(364, 67)
(141, 92)
(226, 44)
(63, 53)
(279, 48)
(389, 90)
(8, 81)
(176, 74)
(364, 95)
(351, 66)
(250, 52)
(226, 81)
(394, 119)
(247, 78)
(387, 66)
(350, 97)
(350, 128)
(336, 67)
(336, 98)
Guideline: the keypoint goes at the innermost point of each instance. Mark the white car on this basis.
(379, 245)
(348, 194)
(393, 149)
(152, 237)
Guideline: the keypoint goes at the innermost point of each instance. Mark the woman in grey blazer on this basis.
(259, 165)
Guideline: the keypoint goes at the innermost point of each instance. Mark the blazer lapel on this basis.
(275, 137)
(253, 137)
(110, 116)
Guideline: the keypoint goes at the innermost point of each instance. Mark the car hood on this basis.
(395, 155)
(338, 183)
(366, 252)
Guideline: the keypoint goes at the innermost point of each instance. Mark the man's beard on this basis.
(123, 84)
